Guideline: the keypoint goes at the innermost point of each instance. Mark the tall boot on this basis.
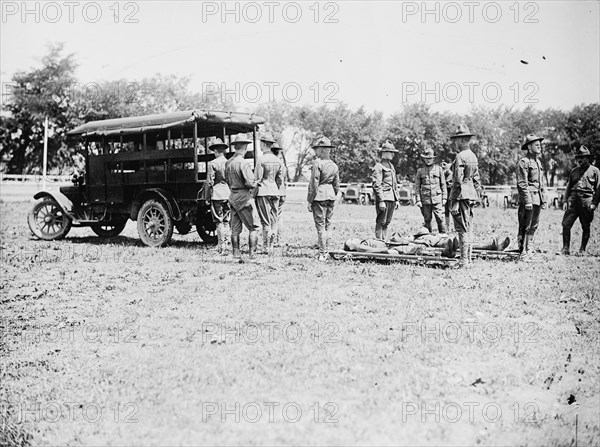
(225, 239)
(378, 231)
(265, 240)
(322, 239)
(520, 242)
(235, 246)
(219, 231)
(527, 253)
(584, 241)
(252, 243)
(271, 243)
(566, 236)
(469, 243)
(384, 233)
(278, 232)
(463, 250)
(442, 227)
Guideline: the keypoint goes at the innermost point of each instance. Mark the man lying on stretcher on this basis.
(422, 243)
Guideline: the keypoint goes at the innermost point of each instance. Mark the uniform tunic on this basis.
(531, 192)
(465, 186)
(240, 178)
(583, 190)
(218, 190)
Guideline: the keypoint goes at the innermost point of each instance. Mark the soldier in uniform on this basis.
(532, 195)
(278, 151)
(269, 177)
(323, 188)
(447, 168)
(217, 192)
(582, 197)
(240, 178)
(386, 189)
(430, 191)
(464, 192)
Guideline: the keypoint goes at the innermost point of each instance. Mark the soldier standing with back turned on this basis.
(240, 178)
(269, 177)
(385, 188)
(218, 194)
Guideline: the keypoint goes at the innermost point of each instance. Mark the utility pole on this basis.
(45, 162)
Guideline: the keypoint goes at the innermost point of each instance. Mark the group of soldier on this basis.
(251, 195)
(455, 188)
(242, 196)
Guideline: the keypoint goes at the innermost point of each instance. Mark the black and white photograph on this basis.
(314, 223)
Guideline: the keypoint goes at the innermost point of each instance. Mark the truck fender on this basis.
(158, 193)
(63, 202)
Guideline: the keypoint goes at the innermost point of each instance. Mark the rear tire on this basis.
(47, 221)
(155, 224)
(206, 228)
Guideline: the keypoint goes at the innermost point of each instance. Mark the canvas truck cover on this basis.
(234, 122)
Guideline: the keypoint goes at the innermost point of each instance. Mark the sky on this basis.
(376, 54)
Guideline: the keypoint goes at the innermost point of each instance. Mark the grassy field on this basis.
(108, 342)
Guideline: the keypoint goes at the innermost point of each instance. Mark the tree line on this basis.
(52, 91)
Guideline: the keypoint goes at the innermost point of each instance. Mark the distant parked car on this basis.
(406, 191)
(358, 193)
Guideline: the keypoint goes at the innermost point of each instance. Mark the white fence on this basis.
(15, 187)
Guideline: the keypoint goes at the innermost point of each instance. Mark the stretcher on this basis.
(493, 254)
(342, 255)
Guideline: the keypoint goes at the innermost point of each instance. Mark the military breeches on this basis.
(242, 213)
(579, 208)
(220, 211)
(433, 210)
(384, 217)
(529, 220)
(322, 214)
(267, 207)
(463, 221)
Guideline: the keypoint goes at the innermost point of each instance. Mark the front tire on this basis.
(155, 224)
(47, 221)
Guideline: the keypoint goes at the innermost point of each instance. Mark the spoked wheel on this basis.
(109, 230)
(47, 220)
(206, 228)
(155, 224)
